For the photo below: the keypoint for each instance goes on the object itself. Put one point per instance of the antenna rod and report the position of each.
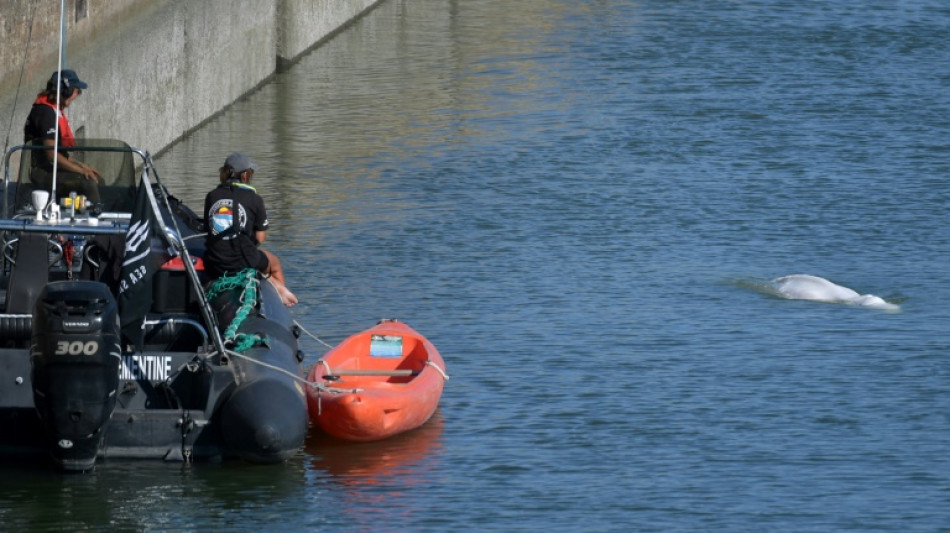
(59, 85)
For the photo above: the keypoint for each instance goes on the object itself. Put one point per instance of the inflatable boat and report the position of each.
(110, 346)
(377, 383)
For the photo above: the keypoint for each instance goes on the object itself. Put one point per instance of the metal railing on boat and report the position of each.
(115, 224)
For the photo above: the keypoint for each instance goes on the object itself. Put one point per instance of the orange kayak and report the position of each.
(380, 382)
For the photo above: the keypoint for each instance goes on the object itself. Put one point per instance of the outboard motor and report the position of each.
(75, 357)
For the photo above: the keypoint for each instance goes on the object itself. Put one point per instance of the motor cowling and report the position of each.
(75, 359)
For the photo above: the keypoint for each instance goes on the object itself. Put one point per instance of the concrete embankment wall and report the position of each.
(156, 69)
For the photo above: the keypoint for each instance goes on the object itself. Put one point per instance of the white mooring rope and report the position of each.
(311, 335)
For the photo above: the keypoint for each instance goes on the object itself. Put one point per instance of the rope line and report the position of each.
(445, 376)
(435, 366)
(247, 282)
(295, 377)
(311, 335)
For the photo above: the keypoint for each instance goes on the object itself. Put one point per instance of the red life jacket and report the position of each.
(66, 137)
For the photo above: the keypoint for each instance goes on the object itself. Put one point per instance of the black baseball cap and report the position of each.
(70, 80)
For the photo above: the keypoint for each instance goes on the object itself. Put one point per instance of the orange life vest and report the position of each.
(66, 137)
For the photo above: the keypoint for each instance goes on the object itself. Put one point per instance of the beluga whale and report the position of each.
(807, 287)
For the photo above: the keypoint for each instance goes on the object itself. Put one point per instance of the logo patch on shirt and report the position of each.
(222, 218)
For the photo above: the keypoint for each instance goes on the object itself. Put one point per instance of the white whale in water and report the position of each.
(805, 287)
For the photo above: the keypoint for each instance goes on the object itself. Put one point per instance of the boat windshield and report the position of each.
(112, 158)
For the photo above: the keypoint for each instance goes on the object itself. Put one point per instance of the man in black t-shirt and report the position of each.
(40, 129)
(236, 224)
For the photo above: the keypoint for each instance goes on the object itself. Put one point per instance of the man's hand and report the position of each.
(88, 172)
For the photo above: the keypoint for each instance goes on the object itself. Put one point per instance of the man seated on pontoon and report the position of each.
(236, 222)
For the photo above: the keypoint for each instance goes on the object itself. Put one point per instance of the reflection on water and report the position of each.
(405, 93)
(409, 456)
(144, 495)
(380, 482)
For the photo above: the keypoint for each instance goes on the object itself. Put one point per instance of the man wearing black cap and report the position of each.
(40, 129)
(236, 223)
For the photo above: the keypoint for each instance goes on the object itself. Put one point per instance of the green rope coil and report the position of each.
(245, 341)
(245, 280)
